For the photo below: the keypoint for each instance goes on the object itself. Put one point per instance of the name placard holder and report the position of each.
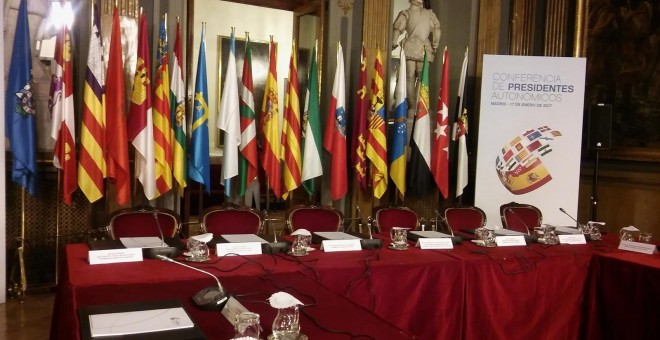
(232, 309)
(638, 247)
(238, 248)
(341, 245)
(510, 241)
(572, 239)
(434, 243)
(115, 255)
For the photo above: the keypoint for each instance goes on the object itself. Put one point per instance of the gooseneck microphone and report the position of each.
(164, 249)
(439, 218)
(211, 298)
(513, 213)
(572, 218)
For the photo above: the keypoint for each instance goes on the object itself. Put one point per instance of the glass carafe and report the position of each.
(286, 325)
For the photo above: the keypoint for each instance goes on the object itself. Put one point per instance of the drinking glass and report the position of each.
(199, 251)
(626, 235)
(286, 325)
(550, 235)
(247, 326)
(486, 235)
(399, 238)
(645, 237)
(300, 244)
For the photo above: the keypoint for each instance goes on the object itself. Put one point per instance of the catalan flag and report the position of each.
(178, 118)
(161, 115)
(247, 167)
(199, 165)
(420, 179)
(229, 120)
(270, 157)
(377, 134)
(291, 129)
(398, 150)
(440, 152)
(335, 131)
(359, 131)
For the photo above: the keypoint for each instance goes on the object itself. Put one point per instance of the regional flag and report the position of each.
(291, 129)
(359, 131)
(229, 120)
(270, 157)
(312, 167)
(398, 150)
(248, 159)
(460, 132)
(161, 115)
(20, 126)
(420, 179)
(115, 133)
(198, 167)
(335, 131)
(140, 119)
(63, 128)
(178, 116)
(376, 149)
(440, 152)
(91, 166)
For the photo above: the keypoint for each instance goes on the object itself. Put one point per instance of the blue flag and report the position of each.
(20, 108)
(199, 167)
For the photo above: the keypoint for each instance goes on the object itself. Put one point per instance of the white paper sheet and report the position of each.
(141, 242)
(429, 234)
(235, 238)
(336, 235)
(145, 321)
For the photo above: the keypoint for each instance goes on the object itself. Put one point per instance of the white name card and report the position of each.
(341, 245)
(638, 247)
(232, 309)
(434, 243)
(572, 239)
(238, 248)
(510, 241)
(115, 255)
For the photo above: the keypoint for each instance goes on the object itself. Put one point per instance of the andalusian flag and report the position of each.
(398, 150)
(91, 167)
(335, 131)
(460, 132)
(420, 179)
(199, 165)
(140, 119)
(270, 157)
(291, 129)
(178, 116)
(440, 153)
(359, 131)
(162, 122)
(228, 120)
(377, 135)
(247, 167)
(312, 167)
(63, 130)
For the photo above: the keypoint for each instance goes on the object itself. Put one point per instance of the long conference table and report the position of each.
(470, 292)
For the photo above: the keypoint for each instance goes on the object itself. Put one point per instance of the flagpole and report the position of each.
(57, 223)
(21, 248)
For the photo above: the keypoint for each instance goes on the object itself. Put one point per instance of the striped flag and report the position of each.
(312, 167)
(248, 159)
(359, 131)
(377, 134)
(161, 115)
(91, 166)
(420, 179)
(398, 150)
(270, 157)
(335, 131)
(229, 120)
(440, 153)
(178, 117)
(199, 163)
(63, 129)
(291, 129)
(115, 108)
(460, 132)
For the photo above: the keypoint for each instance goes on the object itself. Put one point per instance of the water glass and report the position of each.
(247, 326)
(550, 235)
(286, 325)
(645, 237)
(300, 245)
(627, 235)
(399, 238)
(199, 251)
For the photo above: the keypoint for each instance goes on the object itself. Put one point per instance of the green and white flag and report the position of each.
(311, 167)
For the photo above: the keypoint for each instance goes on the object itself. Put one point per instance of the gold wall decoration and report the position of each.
(345, 5)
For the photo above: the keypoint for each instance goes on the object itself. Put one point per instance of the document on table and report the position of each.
(335, 235)
(430, 234)
(141, 242)
(508, 232)
(145, 321)
(240, 238)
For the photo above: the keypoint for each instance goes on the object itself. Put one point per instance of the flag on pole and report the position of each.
(20, 126)
(270, 157)
(312, 167)
(140, 119)
(460, 132)
(161, 115)
(359, 131)
(248, 159)
(398, 151)
(91, 166)
(178, 117)
(420, 178)
(335, 131)
(291, 129)
(229, 120)
(440, 153)
(63, 129)
(199, 168)
(377, 135)
(115, 133)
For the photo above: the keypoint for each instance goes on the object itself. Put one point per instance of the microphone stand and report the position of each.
(438, 219)
(276, 246)
(594, 187)
(577, 224)
(517, 218)
(164, 249)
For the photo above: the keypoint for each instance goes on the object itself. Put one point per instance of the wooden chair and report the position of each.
(231, 219)
(314, 218)
(457, 218)
(141, 222)
(520, 217)
(389, 217)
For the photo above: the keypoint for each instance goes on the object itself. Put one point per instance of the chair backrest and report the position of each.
(458, 218)
(231, 219)
(314, 218)
(388, 217)
(520, 217)
(141, 222)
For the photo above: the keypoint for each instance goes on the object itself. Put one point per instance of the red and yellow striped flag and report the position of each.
(291, 129)
(161, 114)
(270, 122)
(377, 134)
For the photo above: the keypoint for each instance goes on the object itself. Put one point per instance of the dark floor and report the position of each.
(29, 320)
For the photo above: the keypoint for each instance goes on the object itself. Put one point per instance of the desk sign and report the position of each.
(434, 243)
(638, 247)
(572, 239)
(232, 309)
(510, 241)
(341, 245)
(115, 255)
(239, 248)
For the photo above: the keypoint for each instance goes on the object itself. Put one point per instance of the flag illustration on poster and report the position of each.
(359, 131)
(398, 149)
(440, 152)
(420, 178)
(270, 157)
(248, 159)
(229, 120)
(460, 132)
(178, 117)
(162, 115)
(291, 166)
(335, 131)
(199, 167)
(311, 167)
(377, 134)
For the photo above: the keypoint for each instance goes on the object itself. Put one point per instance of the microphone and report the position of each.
(275, 246)
(211, 298)
(164, 249)
(572, 218)
(439, 218)
(513, 213)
